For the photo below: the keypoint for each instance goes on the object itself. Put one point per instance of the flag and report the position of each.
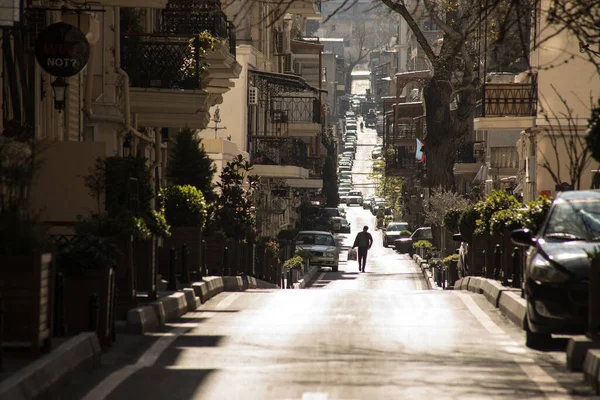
(420, 156)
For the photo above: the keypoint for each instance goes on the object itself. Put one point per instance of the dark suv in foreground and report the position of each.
(557, 268)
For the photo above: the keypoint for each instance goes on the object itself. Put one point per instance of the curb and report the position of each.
(577, 350)
(41, 376)
(148, 318)
(308, 278)
(591, 369)
(514, 307)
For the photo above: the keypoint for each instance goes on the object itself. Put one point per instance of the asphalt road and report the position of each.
(373, 335)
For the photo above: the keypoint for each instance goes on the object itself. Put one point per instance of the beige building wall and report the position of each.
(59, 193)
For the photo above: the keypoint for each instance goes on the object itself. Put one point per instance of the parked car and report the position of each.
(324, 250)
(354, 197)
(405, 245)
(366, 202)
(341, 225)
(556, 272)
(392, 232)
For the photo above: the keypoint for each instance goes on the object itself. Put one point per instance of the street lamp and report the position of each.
(127, 146)
(59, 88)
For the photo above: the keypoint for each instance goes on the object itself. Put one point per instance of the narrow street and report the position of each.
(375, 335)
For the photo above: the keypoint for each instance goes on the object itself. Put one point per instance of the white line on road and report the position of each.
(547, 384)
(151, 355)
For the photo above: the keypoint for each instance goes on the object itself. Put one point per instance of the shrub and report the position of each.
(450, 258)
(423, 244)
(287, 234)
(467, 223)
(498, 200)
(506, 219)
(294, 262)
(451, 219)
(183, 205)
(535, 214)
(405, 233)
(85, 253)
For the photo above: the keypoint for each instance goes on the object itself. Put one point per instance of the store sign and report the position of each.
(62, 50)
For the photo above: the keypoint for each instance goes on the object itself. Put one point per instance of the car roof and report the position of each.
(578, 194)
(398, 223)
(315, 232)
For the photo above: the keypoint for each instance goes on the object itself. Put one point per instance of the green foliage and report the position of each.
(294, 262)
(535, 214)
(189, 164)
(304, 253)
(87, 252)
(467, 223)
(107, 225)
(451, 219)
(405, 233)
(184, 205)
(453, 257)
(157, 223)
(234, 211)
(440, 202)
(496, 201)
(387, 219)
(594, 254)
(593, 136)
(20, 236)
(423, 244)
(506, 219)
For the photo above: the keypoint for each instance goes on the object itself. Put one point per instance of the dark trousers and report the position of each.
(362, 257)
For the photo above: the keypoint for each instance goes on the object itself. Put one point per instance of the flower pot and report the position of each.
(27, 288)
(89, 303)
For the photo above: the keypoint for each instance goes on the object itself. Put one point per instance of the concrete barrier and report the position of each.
(514, 307)
(234, 283)
(591, 369)
(308, 278)
(142, 319)
(474, 284)
(577, 349)
(491, 290)
(40, 377)
(191, 299)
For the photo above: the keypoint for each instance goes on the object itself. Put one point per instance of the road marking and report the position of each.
(150, 356)
(315, 396)
(547, 384)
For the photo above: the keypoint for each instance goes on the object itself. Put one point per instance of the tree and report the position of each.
(570, 146)
(593, 138)
(189, 164)
(330, 179)
(234, 211)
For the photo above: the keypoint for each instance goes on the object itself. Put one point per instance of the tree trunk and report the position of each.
(445, 129)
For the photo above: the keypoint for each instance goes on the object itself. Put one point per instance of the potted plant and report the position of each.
(451, 263)
(306, 255)
(295, 265)
(88, 265)
(26, 263)
(424, 248)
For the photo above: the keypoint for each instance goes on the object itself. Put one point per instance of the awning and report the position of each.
(305, 183)
(293, 81)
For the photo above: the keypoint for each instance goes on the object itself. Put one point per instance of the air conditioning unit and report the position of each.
(287, 63)
(252, 96)
(530, 165)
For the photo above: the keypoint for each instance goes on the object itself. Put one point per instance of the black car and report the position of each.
(557, 267)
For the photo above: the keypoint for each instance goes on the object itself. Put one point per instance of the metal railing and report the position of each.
(465, 153)
(504, 157)
(185, 17)
(506, 99)
(296, 109)
(162, 60)
(280, 152)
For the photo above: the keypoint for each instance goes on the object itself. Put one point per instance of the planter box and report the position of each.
(79, 291)
(27, 289)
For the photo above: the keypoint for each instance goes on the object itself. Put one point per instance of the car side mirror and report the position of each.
(522, 237)
(457, 237)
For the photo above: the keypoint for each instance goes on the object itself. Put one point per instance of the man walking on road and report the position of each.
(363, 241)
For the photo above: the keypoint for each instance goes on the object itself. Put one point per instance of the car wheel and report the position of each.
(385, 244)
(335, 268)
(535, 340)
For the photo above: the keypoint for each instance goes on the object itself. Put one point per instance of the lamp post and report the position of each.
(59, 88)
(127, 146)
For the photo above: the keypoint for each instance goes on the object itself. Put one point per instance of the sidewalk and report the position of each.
(30, 378)
(582, 354)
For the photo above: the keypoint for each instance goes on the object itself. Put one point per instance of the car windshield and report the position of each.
(397, 227)
(574, 219)
(315, 238)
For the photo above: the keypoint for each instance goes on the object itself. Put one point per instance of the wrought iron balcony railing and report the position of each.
(279, 151)
(465, 153)
(162, 60)
(294, 109)
(504, 157)
(184, 17)
(403, 158)
(506, 99)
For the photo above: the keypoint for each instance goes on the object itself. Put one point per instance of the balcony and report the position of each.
(505, 160)
(505, 106)
(467, 160)
(173, 81)
(308, 8)
(402, 162)
(279, 151)
(301, 114)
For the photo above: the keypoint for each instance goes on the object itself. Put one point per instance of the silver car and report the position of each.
(321, 244)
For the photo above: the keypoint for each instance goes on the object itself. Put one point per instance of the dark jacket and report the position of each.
(363, 239)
